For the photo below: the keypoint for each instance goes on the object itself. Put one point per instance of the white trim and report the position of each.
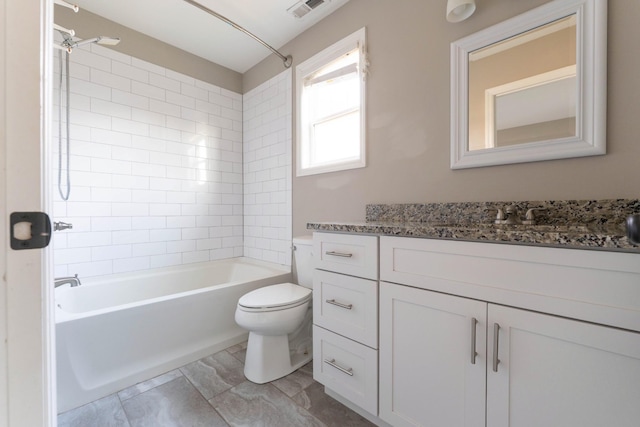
(335, 167)
(344, 71)
(47, 272)
(306, 70)
(4, 374)
(30, 381)
(591, 58)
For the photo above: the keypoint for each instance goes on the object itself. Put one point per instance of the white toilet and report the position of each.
(279, 321)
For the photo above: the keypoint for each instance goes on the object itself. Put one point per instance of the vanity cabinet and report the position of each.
(345, 317)
(479, 350)
(444, 359)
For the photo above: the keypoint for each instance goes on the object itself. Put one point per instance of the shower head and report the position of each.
(108, 41)
(69, 45)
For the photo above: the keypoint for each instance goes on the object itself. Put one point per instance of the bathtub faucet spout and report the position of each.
(73, 281)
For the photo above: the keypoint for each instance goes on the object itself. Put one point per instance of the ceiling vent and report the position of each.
(303, 7)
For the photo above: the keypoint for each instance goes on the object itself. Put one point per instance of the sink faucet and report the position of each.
(510, 216)
(530, 217)
(73, 281)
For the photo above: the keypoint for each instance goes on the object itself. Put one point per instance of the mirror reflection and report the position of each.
(523, 89)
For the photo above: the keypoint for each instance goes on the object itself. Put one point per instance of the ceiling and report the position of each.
(184, 26)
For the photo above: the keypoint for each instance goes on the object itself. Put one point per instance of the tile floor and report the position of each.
(214, 392)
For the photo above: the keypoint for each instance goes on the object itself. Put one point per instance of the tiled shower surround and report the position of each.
(156, 169)
(267, 170)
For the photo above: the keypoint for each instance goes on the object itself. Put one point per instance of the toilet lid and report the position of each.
(275, 296)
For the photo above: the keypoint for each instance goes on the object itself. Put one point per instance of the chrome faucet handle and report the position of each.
(59, 225)
(499, 216)
(511, 216)
(530, 216)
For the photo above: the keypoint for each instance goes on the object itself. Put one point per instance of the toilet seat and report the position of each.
(275, 297)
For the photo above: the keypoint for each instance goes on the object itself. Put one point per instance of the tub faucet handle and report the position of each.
(59, 225)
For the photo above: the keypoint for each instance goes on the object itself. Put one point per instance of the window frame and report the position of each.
(308, 68)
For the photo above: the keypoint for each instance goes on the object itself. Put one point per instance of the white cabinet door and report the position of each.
(427, 377)
(558, 372)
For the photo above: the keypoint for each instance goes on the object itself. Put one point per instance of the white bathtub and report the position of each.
(115, 332)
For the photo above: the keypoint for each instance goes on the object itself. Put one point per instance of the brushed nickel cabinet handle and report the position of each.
(340, 254)
(332, 363)
(334, 302)
(474, 353)
(496, 335)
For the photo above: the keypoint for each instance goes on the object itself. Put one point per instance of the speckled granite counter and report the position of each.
(582, 224)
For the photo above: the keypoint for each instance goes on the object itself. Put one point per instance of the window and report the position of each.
(331, 108)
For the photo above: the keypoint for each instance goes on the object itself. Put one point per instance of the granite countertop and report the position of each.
(598, 225)
(583, 237)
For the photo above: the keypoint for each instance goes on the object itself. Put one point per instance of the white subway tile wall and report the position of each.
(157, 168)
(267, 170)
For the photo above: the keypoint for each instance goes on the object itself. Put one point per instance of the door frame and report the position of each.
(27, 352)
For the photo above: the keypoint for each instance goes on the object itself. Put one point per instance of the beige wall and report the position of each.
(89, 25)
(408, 115)
(408, 108)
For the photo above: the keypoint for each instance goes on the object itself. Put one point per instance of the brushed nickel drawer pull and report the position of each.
(340, 254)
(332, 362)
(474, 353)
(334, 302)
(496, 335)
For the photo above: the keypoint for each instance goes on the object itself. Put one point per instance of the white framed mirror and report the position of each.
(531, 88)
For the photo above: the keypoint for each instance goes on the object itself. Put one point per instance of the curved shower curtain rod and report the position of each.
(287, 60)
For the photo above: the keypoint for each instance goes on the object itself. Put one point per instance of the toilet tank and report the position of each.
(303, 260)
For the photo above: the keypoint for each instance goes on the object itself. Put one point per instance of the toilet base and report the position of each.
(268, 358)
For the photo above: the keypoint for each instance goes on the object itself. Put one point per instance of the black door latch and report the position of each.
(30, 230)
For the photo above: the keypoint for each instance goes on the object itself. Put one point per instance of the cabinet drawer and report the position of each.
(348, 254)
(594, 286)
(346, 367)
(346, 305)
